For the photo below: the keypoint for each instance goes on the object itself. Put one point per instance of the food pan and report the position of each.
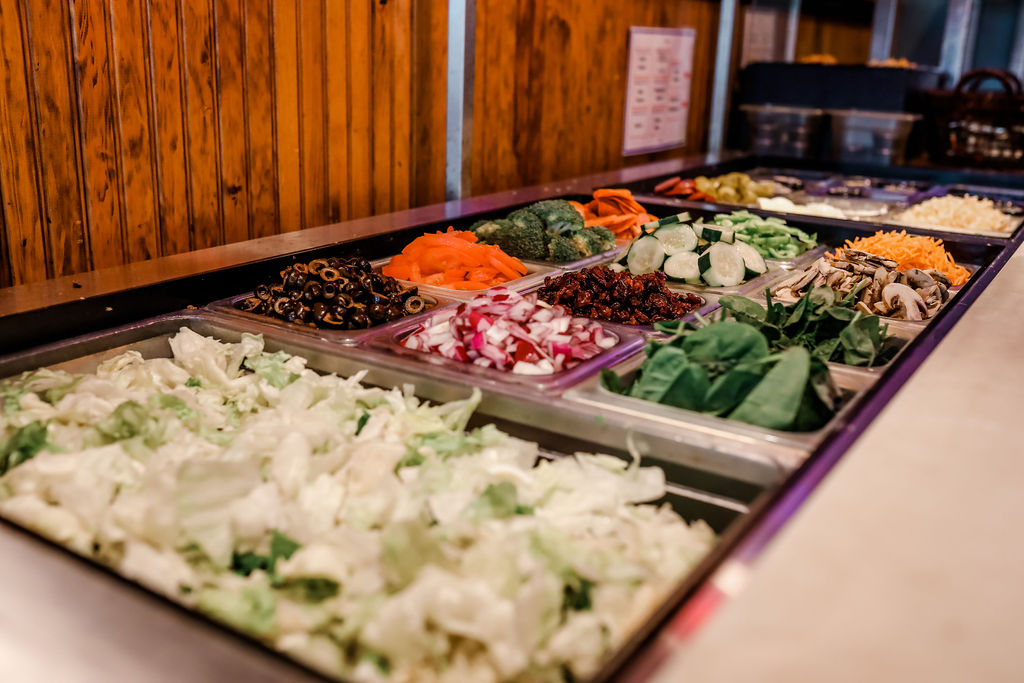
(535, 274)
(150, 337)
(894, 323)
(388, 339)
(1012, 207)
(788, 449)
(227, 307)
(596, 259)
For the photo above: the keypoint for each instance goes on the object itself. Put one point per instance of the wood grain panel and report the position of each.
(99, 126)
(135, 124)
(549, 98)
(167, 97)
(19, 183)
(849, 42)
(286, 100)
(260, 138)
(229, 32)
(336, 48)
(430, 57)
(201, 123)
(383, 99)
(55, 104)
(313, 112)
(360, 102)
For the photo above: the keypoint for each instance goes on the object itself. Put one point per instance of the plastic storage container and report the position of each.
(784, 131)
(870, 137)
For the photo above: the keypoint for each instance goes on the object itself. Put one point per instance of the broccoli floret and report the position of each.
(526, 219)
(604, 237)
(514, 240)
(558, 215)
(584, 242)
(485, 228)
(561, 249)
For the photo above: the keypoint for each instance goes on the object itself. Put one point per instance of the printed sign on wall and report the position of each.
(658, 88)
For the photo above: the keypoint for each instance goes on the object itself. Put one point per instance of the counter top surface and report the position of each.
(904, 563)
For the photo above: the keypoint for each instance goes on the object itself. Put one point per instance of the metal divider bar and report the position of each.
(720, 84)
(459, 118)
(883, 28)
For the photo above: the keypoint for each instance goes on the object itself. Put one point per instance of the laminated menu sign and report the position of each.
(658, 88)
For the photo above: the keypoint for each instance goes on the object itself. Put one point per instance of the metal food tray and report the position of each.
(150, 338)
(894, 323)
(1008, 203)
(791, 448)
(388, 338)
(535, 274)
(594, 260)
(227, 307)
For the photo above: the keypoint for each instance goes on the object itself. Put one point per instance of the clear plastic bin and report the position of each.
(871, 137)
(784, 131)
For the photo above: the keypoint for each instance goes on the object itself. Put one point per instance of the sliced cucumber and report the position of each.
(672, 220)
(713, 233)
(645, 256)
(647, 228)
(683, 267)
(616, 267)
(675, 239)
(721, 265)
(752, 260)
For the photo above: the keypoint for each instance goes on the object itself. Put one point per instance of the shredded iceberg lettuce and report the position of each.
(356, 529)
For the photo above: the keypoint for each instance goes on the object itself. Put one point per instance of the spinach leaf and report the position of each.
(658, 373)
(612, 382)
(689, 388)
(729, 389)
(775, 401)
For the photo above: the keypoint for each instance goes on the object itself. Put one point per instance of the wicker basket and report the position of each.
(972, 128)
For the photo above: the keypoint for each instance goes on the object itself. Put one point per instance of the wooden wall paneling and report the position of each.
(229, 29)
(429, 95)
(286, 108)
(360, 101)
(166, 97)
(201, 123)
(382, 103)
(313, 110)
(562, 74)
(99, 127)
(26, 241)
(848, 42)
(400, 57)
(5, 258)
(336, 66)
(128, 26)
(55, 103)
(260, 132)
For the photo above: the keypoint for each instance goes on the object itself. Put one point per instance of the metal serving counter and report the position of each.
(62, 619)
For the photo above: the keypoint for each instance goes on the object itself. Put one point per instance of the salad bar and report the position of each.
(503, 444)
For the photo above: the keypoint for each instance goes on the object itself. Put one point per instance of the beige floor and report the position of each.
(907, 564)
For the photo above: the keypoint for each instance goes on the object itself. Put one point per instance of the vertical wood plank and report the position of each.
(59, 152)
(260, 140)
(312, 101)
(162, 35)
(99, 127)
(383, 114)
(128, 23)
(18, 173)
(429, 68)
(401, 104)
(230, 47)
(286, 105)
(5, 258)
(337, 65)
(361, 95)
(200, 107)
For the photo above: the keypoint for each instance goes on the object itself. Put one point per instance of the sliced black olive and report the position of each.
(330, 290)
(312, 291)
(249, 303)
(262, 292)
(352, 289)
(281, 305)
(276, 291)
(295, 294)
(318, 310)
(345, 301)
(376, 297)
(414, 305)
(316, 265)
(300, 268)
(377, 312)
(359, 321)
(329, 274)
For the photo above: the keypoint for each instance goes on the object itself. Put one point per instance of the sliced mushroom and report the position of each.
(911, 304)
